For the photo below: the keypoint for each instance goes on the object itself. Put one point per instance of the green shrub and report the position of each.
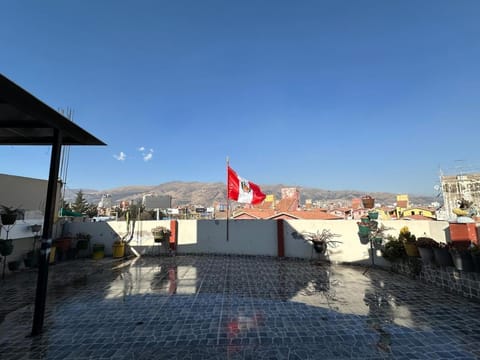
(393, 249)
(406, 236)
(426, 242)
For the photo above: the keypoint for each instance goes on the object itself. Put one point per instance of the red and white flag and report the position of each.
(242, 190)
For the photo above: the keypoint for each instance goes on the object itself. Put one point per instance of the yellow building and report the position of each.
(430, 213)
(402, 204)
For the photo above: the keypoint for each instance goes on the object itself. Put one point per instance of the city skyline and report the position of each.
(368, 96)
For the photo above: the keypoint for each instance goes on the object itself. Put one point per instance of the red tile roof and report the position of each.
(254, 214)
(265, 205)
(271, 214)
(417, 217)
(310, 215)
(287, 204)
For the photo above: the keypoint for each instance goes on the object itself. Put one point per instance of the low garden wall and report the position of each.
(463, 283)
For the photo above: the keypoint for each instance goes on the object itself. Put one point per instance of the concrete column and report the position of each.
(173, 235)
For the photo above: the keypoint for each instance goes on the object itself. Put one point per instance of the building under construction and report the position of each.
(459, 190)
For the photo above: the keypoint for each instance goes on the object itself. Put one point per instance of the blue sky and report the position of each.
(364, 95)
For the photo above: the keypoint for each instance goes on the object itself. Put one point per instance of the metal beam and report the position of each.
(42, 280)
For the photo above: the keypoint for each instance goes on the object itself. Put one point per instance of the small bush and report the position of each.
(393, 250)
(426, 242)
(406, 236)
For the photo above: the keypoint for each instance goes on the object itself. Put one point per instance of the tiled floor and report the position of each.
(221, 307)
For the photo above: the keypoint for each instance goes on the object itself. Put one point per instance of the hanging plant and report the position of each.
(160, 233)
(6, 247)
(8, 215)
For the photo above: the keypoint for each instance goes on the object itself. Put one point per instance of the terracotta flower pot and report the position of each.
(368, 202)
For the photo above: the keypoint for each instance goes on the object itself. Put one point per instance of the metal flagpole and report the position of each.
(228, 201)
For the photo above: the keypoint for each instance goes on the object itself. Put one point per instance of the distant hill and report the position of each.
(207, 194)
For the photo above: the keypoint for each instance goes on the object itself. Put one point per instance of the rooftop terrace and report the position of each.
(235, 307)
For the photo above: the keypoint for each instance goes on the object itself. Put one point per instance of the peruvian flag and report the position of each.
(242, 190)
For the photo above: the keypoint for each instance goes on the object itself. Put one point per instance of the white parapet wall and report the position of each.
(244, 237)
(23, 239)
(253, 237)
(349, 248)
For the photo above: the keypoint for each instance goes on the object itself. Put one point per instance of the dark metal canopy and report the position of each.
(25, 120)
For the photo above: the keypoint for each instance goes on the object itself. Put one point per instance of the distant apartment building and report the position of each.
(154, 201)
(456, 188)
(288, 207)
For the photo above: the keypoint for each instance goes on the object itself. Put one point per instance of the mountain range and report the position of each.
(206, 194)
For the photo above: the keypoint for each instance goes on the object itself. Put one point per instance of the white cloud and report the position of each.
(147, 157)
(120, 157)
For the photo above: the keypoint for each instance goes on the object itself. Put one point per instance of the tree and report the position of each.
(92, 211)
(80, 205)
(65, 205)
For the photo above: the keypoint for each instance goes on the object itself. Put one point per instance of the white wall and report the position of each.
(254, 237)
(351, 250)
(245, 237)
(26, 194)
(29, 195)
(22, 237)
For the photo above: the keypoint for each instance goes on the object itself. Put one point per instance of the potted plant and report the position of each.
(63, 245)
(365, 220)
(83, 243)
(462, 260)
(14, 265)
(31, 257)
(160, 234)
(368, 202)
(393, 250)
(377, 242)
(98, 251)
(8, 214)
(6, 248)
(442, 255)
(364, 230)
(475, 253)
(425, 246)
(320, 240)
(118, 248)
(409, 242)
